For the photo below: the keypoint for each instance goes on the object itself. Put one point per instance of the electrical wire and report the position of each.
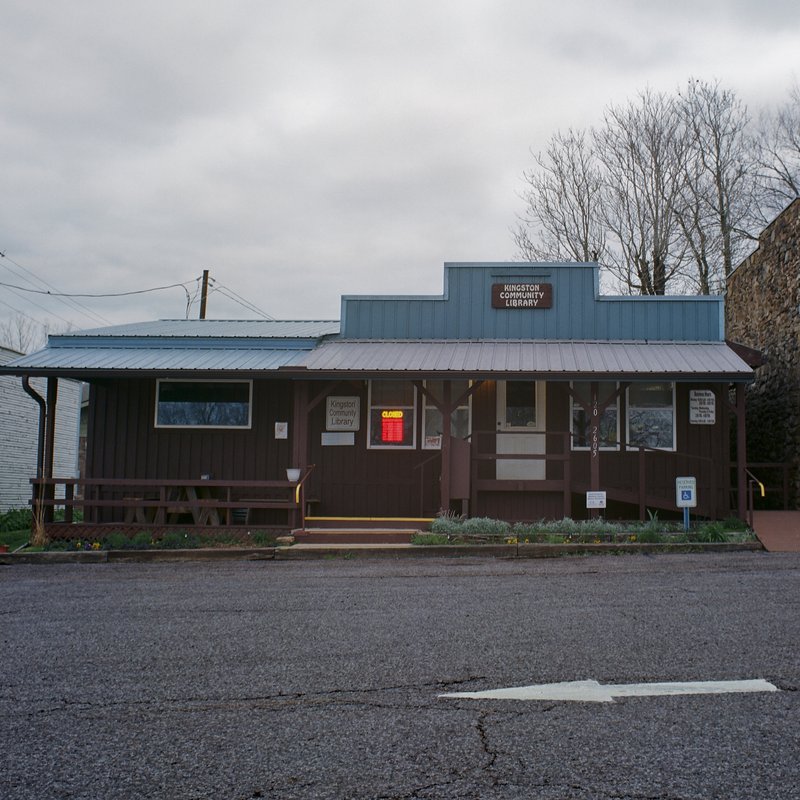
(226, 291)
(73, 304)
(86, 294)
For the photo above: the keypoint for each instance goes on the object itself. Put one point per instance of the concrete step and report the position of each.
(354, 535)
(778, 531)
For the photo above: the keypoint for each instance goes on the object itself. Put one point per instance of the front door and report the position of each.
(520, 429)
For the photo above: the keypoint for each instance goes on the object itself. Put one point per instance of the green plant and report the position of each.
(116, 541)
(485, 526)
(178, 540)
(430, 539)
(263, 538)
(16, 519)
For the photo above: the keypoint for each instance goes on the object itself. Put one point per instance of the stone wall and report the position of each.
(762, 311)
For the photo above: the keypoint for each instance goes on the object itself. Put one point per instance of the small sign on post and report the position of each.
(686, 497)
(595, 499)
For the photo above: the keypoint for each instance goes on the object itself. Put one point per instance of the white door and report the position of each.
(520, 419)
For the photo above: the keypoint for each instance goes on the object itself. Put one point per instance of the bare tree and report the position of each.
(563, 199)
(23, 334)
(779, 155)
(643, 150)
(715, 208)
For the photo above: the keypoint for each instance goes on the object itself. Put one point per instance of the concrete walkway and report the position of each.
(778, 531)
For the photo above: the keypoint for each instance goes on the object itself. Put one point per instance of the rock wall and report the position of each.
(762, 311)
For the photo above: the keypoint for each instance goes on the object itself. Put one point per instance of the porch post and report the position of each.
(299, 451)
(49, 492)
(594, 444)
(446, 414)
(741, 453)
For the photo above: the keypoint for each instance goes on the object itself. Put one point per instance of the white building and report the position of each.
(19, 426)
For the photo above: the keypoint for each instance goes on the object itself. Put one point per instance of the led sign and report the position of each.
(392, 426)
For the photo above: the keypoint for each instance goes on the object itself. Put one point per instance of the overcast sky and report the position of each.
(305, 149)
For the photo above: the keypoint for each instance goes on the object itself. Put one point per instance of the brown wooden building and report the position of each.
(551, 391)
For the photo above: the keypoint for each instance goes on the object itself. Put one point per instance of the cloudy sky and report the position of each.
(304, 149)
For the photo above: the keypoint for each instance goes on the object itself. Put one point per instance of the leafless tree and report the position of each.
(22, 334)
(562, 203)
(667, 193)
(718, 198)
(643, 151)
(779, 154)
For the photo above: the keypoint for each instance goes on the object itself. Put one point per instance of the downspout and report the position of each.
(37, 488)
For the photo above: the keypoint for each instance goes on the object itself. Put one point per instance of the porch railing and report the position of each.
(176, 501)
(642, 476)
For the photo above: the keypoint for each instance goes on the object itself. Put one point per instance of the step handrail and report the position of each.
(751, 481)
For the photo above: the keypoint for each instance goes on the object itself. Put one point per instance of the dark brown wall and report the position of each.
(123, 442)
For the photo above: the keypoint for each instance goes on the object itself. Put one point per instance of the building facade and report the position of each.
(512, 394)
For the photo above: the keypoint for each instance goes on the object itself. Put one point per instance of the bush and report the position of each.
(485, 526)
(16, 519)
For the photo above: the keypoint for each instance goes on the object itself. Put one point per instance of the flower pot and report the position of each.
(293, 474)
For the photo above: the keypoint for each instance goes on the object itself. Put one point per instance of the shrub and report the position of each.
(16, 519)
(485, 526)
(178, 540)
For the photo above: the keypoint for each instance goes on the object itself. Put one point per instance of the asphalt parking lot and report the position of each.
(322, 679)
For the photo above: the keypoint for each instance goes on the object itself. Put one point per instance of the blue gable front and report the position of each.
(568, 306)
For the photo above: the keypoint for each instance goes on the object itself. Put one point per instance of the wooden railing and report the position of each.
(628, 481)
(160, 501)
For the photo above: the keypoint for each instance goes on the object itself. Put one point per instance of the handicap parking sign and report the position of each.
(686, 492)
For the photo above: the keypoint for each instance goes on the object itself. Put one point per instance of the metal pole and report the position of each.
(204, 295)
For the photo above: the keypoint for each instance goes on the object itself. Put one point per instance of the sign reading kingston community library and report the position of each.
(522, 295)
(343, 413)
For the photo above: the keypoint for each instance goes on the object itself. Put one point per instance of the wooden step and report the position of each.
(778, 531)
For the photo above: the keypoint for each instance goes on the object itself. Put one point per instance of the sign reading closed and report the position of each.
(522, 295)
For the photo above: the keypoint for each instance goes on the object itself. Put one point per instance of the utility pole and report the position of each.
(204, 295)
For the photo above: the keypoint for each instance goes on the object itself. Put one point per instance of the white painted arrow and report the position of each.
(594, 692)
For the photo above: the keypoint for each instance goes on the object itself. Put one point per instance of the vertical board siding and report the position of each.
(464, 310)
(124, 442)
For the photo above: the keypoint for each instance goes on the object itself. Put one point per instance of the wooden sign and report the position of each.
(522, 295)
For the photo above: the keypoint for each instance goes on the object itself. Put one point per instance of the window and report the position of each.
(203, 404)
(520, 405)
(460, 422)
(608, 421)
(392, 413)
(651, 415)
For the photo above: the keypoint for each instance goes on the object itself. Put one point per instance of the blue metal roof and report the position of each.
(199, 346)
(214, 328)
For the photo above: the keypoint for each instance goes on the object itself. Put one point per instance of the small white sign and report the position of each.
(595, 499)
(702, 407)
(338, 439)
(686, 492)
(281, 430)
(343, 413)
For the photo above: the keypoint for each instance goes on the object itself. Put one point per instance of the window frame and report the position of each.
(394, 406)
(540, 397)
(165, 426)
(673, 408)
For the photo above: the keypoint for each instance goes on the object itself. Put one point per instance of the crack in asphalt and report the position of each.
(279, 700)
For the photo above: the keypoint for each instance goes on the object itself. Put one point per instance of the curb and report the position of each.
(352, 552)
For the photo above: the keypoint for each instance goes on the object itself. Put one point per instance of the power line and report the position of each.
(226, 291)
(86, 294)
(72, 303)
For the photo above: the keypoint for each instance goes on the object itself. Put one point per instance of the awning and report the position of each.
(553, 359)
